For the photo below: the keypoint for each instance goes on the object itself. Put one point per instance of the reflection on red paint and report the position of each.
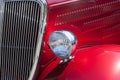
(117, 67)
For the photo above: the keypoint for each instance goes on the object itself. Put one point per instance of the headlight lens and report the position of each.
(62, 43)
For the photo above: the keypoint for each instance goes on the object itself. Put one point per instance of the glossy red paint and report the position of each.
(49, 69)
(95, 63)
(93, 22)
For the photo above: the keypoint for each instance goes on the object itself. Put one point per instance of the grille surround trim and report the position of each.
(41, 31)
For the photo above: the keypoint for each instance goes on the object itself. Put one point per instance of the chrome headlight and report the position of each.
(62, 43)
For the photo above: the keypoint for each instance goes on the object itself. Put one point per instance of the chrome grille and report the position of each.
(19, 39)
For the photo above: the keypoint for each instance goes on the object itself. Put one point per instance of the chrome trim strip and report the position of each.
(1, 28)
(43, 19)
(40, 35)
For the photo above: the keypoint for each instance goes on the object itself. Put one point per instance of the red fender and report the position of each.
(96, 63)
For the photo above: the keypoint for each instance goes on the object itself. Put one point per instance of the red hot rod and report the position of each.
(60, 39)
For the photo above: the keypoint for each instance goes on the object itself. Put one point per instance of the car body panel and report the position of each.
(97, 24)
(95, 63)
(93, 22)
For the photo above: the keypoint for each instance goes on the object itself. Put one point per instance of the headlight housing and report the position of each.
(62, 43)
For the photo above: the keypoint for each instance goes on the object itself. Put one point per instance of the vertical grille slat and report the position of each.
(19, 39)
